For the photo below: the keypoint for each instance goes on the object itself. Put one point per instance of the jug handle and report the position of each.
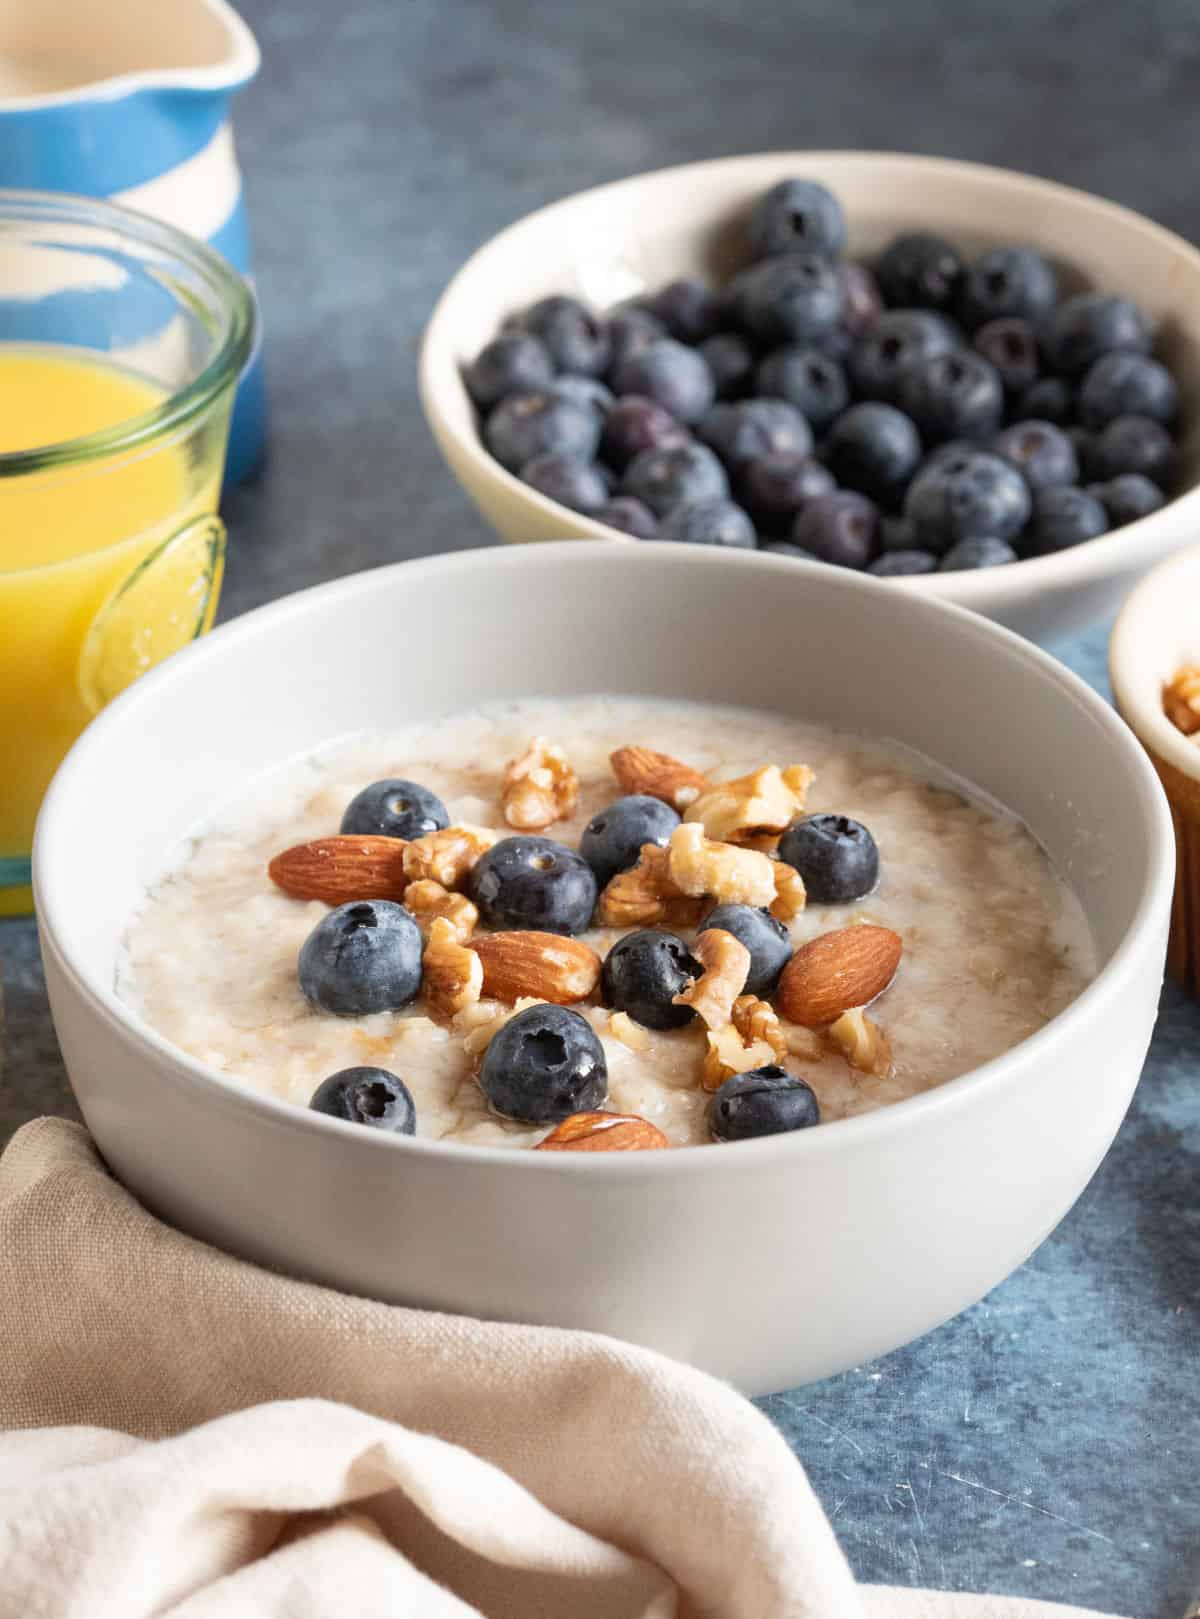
(169, 599)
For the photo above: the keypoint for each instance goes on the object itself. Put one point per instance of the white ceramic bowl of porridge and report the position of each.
(618, 241)
(768, 1261)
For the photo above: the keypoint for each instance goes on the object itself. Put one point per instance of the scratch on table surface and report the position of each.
(1016, 1500)
(837, 1432)
(916, 1504)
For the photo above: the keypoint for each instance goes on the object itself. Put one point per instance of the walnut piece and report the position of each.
(447, 857)
(752, 807)
(699, 866)
(758, 1020)
(790, 895)
(726, 963)
(622, 1027)
(428, 901)
(862, 1042)
(728, 1054)
(646, 894)
(487, 1018)
(453, 973)
(539, 788)
(1181, 700)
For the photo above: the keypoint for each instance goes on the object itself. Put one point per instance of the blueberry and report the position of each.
(1127, 498)
(1041, 451)
(1127, 385)
(897, 534)
(568, 480)
(862, 302)
(796, 298)
(586, 391)
(1062, 517)
(1008, 281)
(533, 882)
(797, 216)
(363, 957)
(527, 424)
(873, 448)
(1084, 445)
(1010, 344)
(903, 564)
(763, 1102)
(543, 1065)
(898, 339)
(635, 424)
(919, 271)
(674, 376)
(749, 428)
(613, 838)
(768, 941)
(807, 379)
(709, 522)
(395, 808)
(630, 328)
(577, 341)
(835, 855)
(964, 494)
(643, 972)
(731, 360)
(369, 1096)
(953, 396)
(1133, 444)
(775, 487)
(785, 548)
(687, 308)
(514, 362)
(672, 475)
(1050, 399)
(977, 553)
(628, 515)
(841, 527)
(1091, 324)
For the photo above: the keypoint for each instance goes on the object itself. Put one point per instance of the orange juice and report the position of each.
(72, 536)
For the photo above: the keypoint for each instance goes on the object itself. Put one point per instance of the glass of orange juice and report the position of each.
(121, 341)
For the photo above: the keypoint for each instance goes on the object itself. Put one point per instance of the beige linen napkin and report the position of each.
(192, 1437)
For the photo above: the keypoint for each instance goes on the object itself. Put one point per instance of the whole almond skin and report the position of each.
(837, 971)
(641, 770)
(603, 1132)
(342, 868)
(544, 965)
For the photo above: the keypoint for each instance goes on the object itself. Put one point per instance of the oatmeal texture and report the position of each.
(994, 944)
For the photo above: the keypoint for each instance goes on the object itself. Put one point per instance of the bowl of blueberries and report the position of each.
(979, 385)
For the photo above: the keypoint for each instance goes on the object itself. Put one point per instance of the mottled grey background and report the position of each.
(1045, 1443)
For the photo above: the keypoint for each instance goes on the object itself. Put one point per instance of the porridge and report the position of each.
(519, 931)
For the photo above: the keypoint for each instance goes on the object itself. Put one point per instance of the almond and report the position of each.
(837, 971)
(544, 965)
(342, 868)
(603, 1132)
(641, 770)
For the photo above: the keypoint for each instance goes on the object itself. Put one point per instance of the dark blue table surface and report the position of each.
(1046, 1442)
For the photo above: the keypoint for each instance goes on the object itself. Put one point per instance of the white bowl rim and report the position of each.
(53, 904)
(1136, 624)
(991, 589)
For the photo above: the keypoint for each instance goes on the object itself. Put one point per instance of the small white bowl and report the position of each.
(768, 1262)
(1156, 634)
(623, 239)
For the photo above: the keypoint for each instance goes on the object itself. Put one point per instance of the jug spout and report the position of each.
(60, 51)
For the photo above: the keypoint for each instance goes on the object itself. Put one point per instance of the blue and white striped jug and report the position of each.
(129, 99)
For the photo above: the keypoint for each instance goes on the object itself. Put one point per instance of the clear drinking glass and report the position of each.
(111, 552)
